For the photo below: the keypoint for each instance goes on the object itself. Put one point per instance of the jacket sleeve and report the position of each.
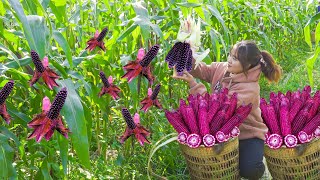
(203, 71)
(197, 88)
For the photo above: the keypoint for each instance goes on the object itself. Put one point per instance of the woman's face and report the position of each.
(234, 65)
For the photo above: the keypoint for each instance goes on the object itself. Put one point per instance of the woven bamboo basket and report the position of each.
(285, 163)
(205, 163)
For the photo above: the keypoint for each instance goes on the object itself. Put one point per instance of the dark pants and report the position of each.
(251, 156)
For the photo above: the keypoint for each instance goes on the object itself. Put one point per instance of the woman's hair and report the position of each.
(249, 55)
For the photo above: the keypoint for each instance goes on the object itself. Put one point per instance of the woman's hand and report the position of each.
(185, 77)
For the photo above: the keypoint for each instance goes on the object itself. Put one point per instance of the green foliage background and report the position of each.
(59, 29)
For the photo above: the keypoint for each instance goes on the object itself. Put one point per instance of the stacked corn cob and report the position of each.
(292, 118)
(208, 119)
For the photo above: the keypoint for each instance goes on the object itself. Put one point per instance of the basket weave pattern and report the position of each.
(205, 163)
(284, 163)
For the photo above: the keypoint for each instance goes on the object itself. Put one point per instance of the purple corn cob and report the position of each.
(213, 107)
(272, 121)
(182, 138)
(176, 56)
(223, 95)
(297, 104)
(189, 61)
(207, 98)
(150, 55)
(208, 140)
(290, 141)
(102, 34)
(176, 121)
(305, 95)
(57, 104)
(128, 118)
(202, 118)
(155, 92)
(37, 62)
(173, 51)
(312, 125)
(218, 120)
(104, 79)
(274, 141)
(317, 132)
(193, 140)
(183, 60)
(304, 137)
(300, 120)
(235, 132)
(190, 119)
(264, 109)
(284, 117)
(241, 113)
(288, 96)
(316, 105)
(221, 137)
(194, 104)
(5, 91)
(274, 101)
(232, 107)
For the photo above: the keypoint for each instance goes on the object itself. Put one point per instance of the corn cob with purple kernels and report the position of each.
(297, 104)
(181, 64)
(151, 54)
(177, 122)
(5, 91)
(214, 107)
(232, 107)
(309, 128)
(37, 62)
(190, 119)
(300, 120)
(284, 117)
(202, 118)
(218, 120)
(239, 116)
(57, 104)
(189, 61)
(102, 34)
(193, 140)
(104, 79)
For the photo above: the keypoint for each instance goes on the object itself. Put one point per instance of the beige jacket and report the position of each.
(248, 90)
